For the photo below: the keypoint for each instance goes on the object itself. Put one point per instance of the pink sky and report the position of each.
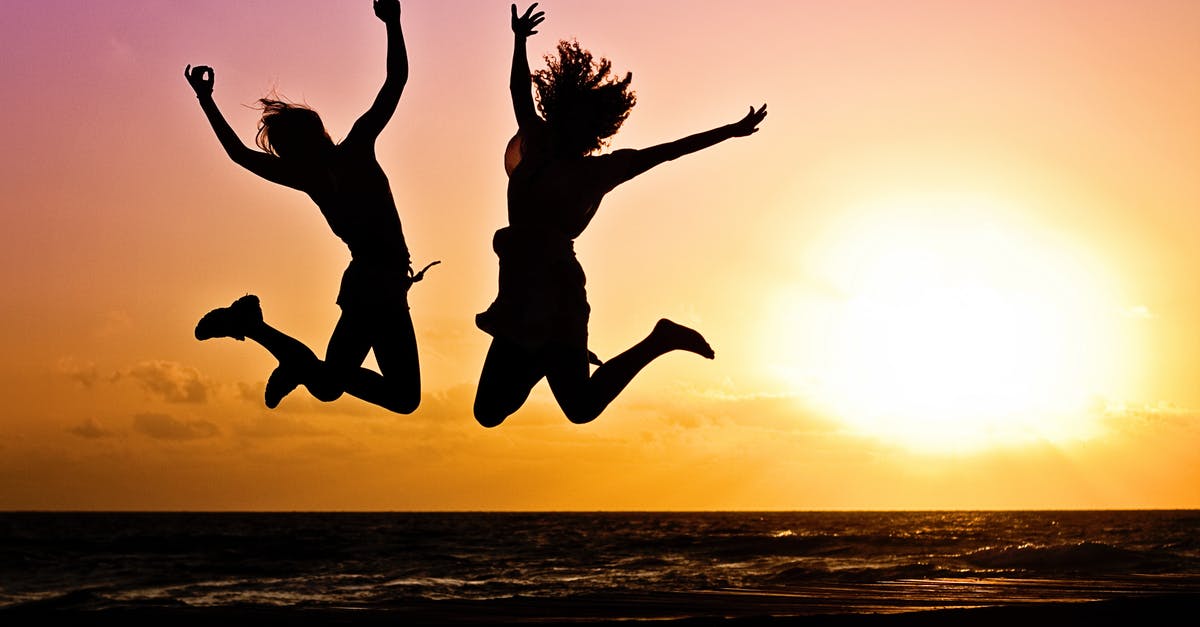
(123, 222)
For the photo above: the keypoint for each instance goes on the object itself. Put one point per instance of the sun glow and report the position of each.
(954, 330)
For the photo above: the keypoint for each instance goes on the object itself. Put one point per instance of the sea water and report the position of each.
(798, 562)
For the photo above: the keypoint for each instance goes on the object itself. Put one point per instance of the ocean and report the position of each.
(578, 566)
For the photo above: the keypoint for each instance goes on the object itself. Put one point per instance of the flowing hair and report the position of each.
(582, 102)
(285, 124)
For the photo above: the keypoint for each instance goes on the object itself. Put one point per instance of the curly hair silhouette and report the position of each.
(539, 319)
(582, 103)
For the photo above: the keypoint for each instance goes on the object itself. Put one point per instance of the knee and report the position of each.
(404, 404)
(324, 392)
(580, 413)
(489, 416)
(323, 382)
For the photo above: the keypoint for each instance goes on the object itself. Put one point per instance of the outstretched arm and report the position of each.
(268, 166)
(370, 124)
(518, 82)
(641, 160)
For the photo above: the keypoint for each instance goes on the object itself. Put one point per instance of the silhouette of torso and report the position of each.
(542, 294)
(563, 194)
(353, 193)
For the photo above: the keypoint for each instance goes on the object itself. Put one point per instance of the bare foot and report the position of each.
(677, 336)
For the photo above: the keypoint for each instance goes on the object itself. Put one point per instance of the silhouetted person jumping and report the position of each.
(352, 191)
(539, 320)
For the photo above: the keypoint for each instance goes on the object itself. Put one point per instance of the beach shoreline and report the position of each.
(1157, 609)
(1026, 568)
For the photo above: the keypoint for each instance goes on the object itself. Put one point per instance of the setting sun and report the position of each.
(957, 330)
(954, 269)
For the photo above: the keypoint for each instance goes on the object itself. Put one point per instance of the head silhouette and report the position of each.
(582, 103)
(291, 131)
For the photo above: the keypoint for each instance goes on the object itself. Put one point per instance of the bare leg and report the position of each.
(243, 319)
(398, 386)
(509, 374)
(395, 347)
(583, 398)
(282, 346)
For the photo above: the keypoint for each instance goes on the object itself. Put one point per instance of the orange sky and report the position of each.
(955, 268)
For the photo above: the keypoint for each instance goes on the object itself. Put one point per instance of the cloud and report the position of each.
(276, 426)
(81, 372)
(165, 427)
(251, 392)
(1152, 415)
(171, 381)
(90, 429)
(693, 408)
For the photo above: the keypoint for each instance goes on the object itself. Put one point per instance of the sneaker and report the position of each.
(232, 321)
(281, 383)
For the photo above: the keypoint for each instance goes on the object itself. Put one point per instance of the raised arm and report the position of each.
(269, 167)
(518, 82)
(638, 161)
(370, 124)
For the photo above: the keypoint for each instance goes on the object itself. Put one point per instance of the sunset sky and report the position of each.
(956, 268)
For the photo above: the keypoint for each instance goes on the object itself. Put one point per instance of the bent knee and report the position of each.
(581, 414)
(489, 416)
(404, 404)
(490, 420)
(324, 392)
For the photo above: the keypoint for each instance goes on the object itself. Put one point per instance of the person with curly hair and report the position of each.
(539, 319)
(350, 188)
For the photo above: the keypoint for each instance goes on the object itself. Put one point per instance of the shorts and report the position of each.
(542, 297)
(375, 287)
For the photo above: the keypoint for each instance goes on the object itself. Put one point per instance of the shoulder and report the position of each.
(616, 157)
(350, 155)
(513, 153)
(362, 136)
(528, 145)
(353, 145)
(616, 164)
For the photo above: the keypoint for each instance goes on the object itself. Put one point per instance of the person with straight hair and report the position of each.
(350, 188)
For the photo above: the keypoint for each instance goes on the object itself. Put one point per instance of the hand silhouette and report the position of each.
(523, 26)
(200, 78)
(387, 10)
(749, 124)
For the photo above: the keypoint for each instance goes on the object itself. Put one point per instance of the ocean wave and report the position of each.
(357, 560)
(809, 574)
(1090, 557)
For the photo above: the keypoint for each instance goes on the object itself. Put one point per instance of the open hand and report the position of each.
(749, 124)
(523, 26)
(387, 10)
(200, 78)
